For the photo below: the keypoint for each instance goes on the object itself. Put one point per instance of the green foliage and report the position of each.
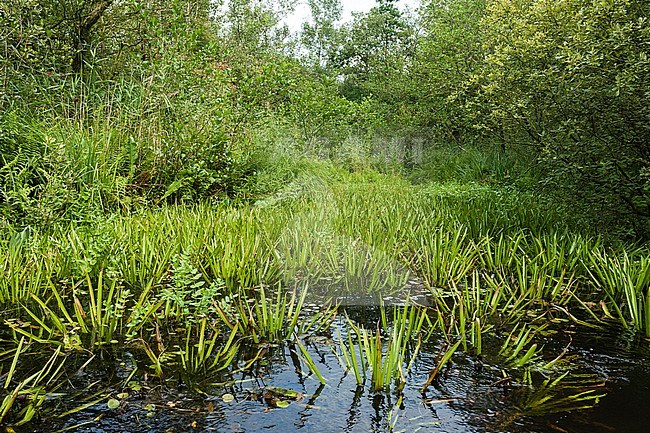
(165, 163)
(570, 79)
(47, 40)
(448, 53)
(374, 50)
(252, 27)
(320, 36)
(168, 119)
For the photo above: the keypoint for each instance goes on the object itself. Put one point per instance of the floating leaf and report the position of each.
(227, 398)
(283, 392)
(113, 403)
(122, 395)
(281, 403)
(135, 386)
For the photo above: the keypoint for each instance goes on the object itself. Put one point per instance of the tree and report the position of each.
(253, 26)
(449, 52)
(374, 50)
(320, 36)
(571, 80)
(88, 17)
(64, 36)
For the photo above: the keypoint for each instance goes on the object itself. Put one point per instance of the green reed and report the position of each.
(388, 351)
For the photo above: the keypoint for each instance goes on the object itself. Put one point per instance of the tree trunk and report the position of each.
(84, 32)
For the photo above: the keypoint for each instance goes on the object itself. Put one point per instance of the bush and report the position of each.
(570, 79)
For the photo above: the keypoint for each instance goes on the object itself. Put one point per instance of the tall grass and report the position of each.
(94, 147)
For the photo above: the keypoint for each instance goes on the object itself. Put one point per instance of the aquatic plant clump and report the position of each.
(204, 296)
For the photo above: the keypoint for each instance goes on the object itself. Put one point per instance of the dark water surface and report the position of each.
(468, 397)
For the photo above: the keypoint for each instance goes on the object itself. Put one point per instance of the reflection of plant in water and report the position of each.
(560, 394)
(557, 394)
(33, 389)
(560, 389)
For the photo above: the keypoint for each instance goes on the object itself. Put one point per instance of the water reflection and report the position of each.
(471, 394)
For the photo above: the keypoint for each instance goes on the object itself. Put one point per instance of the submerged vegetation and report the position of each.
(188, 194)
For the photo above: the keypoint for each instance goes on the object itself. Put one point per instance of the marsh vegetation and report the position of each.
(208, 224)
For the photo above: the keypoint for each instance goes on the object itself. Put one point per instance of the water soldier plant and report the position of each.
(389, 356)
(188, 288)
